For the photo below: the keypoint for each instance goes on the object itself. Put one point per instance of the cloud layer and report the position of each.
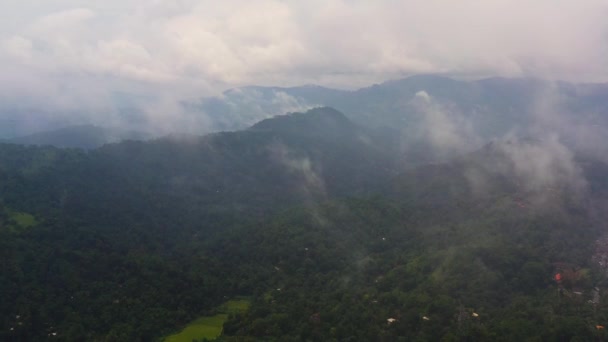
(200, 44)
(78, 56)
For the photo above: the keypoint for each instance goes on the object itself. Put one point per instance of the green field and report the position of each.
(210, 327)
(204, 327)
(15, 221)
(24, 220)
(235, 306)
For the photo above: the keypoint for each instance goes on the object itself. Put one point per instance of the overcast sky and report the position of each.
(66, 51)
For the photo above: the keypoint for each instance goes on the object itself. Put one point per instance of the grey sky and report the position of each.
(64, 51)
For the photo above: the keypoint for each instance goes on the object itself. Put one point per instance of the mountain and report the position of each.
(25, 120)
(417, 110)
(388, 103)
(272, 162)
(239, 108)
(84, 136)
(127, 204)
(471, 112)
(321, 122)
(316, 221)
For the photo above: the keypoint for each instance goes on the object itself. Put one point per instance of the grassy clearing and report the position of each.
(205, 327)
(24, 220)
(15, 221)
(235, 306)
(210, 327)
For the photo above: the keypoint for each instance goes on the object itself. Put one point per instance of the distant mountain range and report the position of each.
(434, 114)
(83, 136)
(497, 103)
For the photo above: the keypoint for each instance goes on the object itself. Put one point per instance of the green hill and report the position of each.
(316, 220)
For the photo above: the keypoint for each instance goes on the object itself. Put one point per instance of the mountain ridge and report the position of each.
(80, 136)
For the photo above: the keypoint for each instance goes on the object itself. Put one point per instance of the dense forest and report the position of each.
(328, 230)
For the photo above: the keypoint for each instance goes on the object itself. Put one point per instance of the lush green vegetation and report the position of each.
(210, 327)
(14, 221)
(321, 232)
(204, 328)
(235, 306)
(23, 220)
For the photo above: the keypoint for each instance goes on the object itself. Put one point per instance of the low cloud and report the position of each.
(242, 107)
(310, 181)
(83, 52)
(446, 131)
(542, 158)
(584, 130)
(542, 164)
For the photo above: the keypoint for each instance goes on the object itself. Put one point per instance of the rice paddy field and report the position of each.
(210, 327)
(24, 220)
(17, 221)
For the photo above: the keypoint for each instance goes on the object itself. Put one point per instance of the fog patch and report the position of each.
(542, 159)
(307, 176)
(540, 171)
(478, 181)
(546, 163)
(423, 95)
(584, 130)
(445, 130)
(300, 166)
(242, 107)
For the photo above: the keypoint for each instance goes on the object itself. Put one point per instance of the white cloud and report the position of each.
(239, 41)
(545, 163)
(18, 47)
(188, 47)
(447, 131)
(62, 20)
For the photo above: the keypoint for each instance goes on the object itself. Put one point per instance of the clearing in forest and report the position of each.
(16, 221)
(24, 220)
(235, 306)
(210, 327)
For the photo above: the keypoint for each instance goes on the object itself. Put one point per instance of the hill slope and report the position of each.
(309, 216)
(85, 136)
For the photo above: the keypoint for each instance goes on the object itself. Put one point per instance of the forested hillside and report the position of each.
(492, 106)
(318, 222)
(435, 260)
(83, 136)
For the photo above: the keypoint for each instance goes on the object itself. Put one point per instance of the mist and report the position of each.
(67, 59)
